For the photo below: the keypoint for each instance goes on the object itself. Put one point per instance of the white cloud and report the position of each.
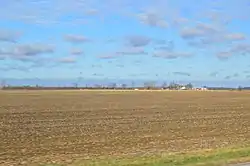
(67, 60)
(76, 51)
(235, 36)
(153, 19)
(200, 30)
(9, 36)
(138, 40)
(162, 14)
(27, 52)
(76, 38)
(171, 55)
(181, 73)
(108, 56)
(131, 51)
(237, 49)
(151, 12)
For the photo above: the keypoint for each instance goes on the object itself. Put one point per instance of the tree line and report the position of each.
(146, 85)
(150, 85)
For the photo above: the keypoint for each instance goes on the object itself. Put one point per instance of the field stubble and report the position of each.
(60, 126)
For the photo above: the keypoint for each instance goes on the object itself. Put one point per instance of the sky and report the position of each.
(162, 40)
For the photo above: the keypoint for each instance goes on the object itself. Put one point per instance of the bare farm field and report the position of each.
(85, 127)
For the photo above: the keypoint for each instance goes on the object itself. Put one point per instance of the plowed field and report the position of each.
(60, 126)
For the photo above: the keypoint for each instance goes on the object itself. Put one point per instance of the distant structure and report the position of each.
(183, 88)
(202, 89)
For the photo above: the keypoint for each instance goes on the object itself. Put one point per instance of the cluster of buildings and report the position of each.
(201, 89)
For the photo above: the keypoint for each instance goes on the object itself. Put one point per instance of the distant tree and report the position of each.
(113, 85)
(3, 84)
(164, 85)
(97, 86)
(189, 86)
(149, 85)
(75, 85)
(86, 86)
(240, 88)
(133, 84)
(80, 78)
(146, 85)
(152, 84)
(173, 85)
(124, 86)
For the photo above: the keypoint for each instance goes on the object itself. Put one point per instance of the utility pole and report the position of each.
(80, 79)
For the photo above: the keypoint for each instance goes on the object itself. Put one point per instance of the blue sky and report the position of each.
(171, 40)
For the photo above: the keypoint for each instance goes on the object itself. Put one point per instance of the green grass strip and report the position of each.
(217, 157)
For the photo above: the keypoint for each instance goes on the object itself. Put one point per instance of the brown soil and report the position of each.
(60, 126)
